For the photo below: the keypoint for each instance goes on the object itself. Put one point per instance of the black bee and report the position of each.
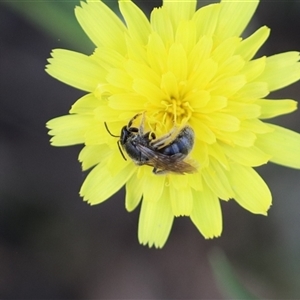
(164, 154)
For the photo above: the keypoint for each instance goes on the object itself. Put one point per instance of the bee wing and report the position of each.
(166, 163)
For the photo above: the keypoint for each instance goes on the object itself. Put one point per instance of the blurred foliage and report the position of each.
(56, 18)
(229, 285)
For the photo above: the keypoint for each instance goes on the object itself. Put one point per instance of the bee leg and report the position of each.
(131, 120)
(159, 172)
(141, 128)
(152, 135)
(149, 136)
(161, 141)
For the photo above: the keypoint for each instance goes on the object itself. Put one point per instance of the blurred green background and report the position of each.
(55, 246)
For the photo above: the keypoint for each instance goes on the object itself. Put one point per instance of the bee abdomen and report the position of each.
(182, 144)
(171, 149)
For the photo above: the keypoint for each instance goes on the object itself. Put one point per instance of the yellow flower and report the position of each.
(182, 67)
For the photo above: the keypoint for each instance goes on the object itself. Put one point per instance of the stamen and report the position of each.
(172, 111)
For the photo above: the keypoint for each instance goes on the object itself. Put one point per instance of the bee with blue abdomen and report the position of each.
(165, 154)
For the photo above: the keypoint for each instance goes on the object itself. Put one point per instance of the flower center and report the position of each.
(178, 110)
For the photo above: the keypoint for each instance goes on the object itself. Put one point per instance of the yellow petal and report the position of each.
(155, 222)
(200, 52)
(100, 184)
(282, 144)
(178, 182)
(214, 104)
(186, 35)
(228, 25)
(127, 101)
(251, 91)
(179, 10)
(242, 110)
(120, 79)
(104, 89)
(256, 125)
(273, 108)
(221, 121)
(102, 25)
(198, 99)
(177, 61)
(108, 58)
(200, 153)
(206, 214)
(169, 84)
(157, 53)
(141, 71)
(206, 20)
(216, 179)
(136, 21)
(251, 192)
(153, 192)
(247, 156)
(231, 66)
(249, 46)
(85, 105)
(203, 132)
(161, 24)
(254, 68)
(97, 133)
(227, 86)
(135, 50)
(115, 160)
(150, 91)
(244, 138)
(105, 113)
(181, 201)
(69, 130)
(281, 70)
(201, 77)
(225, 50)
(195, 181)
(134, 192)
(216, 151)
(75, 69)
(90, 156)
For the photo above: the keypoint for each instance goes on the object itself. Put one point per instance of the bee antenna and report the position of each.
(105, 124)
(118, 143)
(120, 149)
